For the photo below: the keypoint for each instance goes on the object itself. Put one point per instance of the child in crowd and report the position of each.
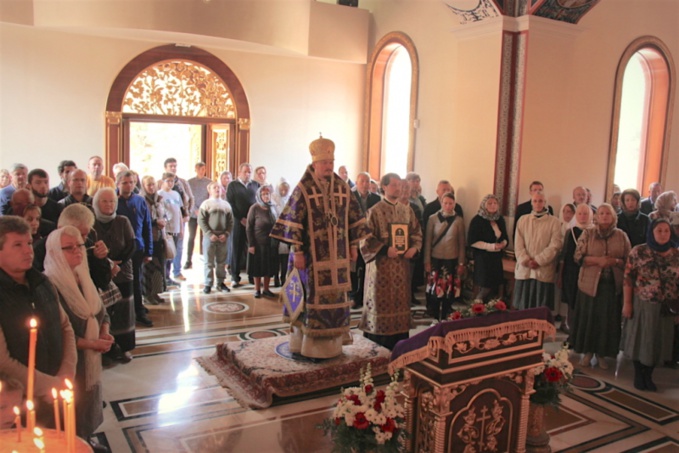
(216, 222)
(172, 202)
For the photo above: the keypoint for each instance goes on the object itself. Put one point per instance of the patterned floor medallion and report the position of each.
(225, 308)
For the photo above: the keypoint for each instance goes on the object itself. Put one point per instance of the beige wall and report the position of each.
(53, 98)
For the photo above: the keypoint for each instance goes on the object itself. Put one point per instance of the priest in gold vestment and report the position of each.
(324, 224)
(386, 301)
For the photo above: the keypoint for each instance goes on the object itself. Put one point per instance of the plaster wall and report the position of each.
(52, 100)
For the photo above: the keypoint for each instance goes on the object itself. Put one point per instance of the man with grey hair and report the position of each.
(19, 181)
(648, 204)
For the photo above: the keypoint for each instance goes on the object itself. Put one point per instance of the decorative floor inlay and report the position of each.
(225, 308)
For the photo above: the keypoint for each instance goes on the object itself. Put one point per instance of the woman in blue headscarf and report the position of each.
(650, 295)
(262, 253)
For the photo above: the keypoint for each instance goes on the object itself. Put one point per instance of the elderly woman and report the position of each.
(601, 252)
(538, 242)
(280, 199)
(651, 275)
(116, 232)
(444, 252)
(567, 214)
(262, 259)
(570, 269)
(66, 267)
(665, 204)
(154, 270)
(632, 221)
(487, 238)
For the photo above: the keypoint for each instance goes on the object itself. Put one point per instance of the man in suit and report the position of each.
(526, 208)
(241, 195)
(648, 204)
(366, 200)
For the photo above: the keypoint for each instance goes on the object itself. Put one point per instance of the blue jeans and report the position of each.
(176, 262)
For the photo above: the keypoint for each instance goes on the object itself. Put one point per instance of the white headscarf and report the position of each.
(83, 300)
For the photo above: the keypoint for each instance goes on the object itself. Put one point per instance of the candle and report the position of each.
(30, 416)
(71, 395)
(17, 422)
(57, 417)
(40, 444)
(31, 359)
(65, 406)
(69, 418)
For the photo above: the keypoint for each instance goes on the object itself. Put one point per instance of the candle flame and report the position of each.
(39, 443)
(33, 323)
(54, 393)
(29, 405)
(16, 411)
(68, 384)
(37, 431)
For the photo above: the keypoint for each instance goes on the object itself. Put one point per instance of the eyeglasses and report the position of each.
(73, 248)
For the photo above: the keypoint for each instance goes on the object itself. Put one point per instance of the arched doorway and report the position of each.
(185, 86)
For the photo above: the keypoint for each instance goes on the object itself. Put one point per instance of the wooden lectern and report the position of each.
(467, 382)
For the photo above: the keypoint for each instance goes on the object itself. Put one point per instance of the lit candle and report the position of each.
(40, 444)
(65, 406)
(57, 417)
(38, 440)
(71, 395)
(17, 422)
(69, 417)
(31, 359)
(30, 416)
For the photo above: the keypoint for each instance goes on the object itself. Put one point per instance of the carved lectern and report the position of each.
(467, 382)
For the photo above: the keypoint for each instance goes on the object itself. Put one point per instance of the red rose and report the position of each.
(501, 306)
(389, 426)
(338, 420)
(553, 374)
(381, 396)
(360, 422)
(355, 399)
(368, 389)
(478, 309)
(377, 406)
(455, 315)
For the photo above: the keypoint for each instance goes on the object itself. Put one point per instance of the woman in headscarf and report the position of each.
(116, 232)
(154, 270)
(601, 252)
(665, 205)
(570, 269)
(444, 256)
(263, 255)
(651, 276)
(567, 214)
(280, 199)
(632, 221)
(488, 237)
(66, 267)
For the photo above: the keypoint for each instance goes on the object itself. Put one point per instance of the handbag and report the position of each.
(110, 295)
(170, 248)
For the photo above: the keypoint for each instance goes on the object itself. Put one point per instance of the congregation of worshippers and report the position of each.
(106, 245)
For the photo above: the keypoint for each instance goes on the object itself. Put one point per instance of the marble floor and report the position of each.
(163, 401)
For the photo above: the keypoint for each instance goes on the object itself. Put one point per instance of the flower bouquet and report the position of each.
(367, 419)
(478, 308)
(552, 378)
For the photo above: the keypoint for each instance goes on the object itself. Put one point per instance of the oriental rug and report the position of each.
(259, 373)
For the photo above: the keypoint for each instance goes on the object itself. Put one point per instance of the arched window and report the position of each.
(644, 95)
(393, 75)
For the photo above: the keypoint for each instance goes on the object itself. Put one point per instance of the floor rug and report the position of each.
(256, 372)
